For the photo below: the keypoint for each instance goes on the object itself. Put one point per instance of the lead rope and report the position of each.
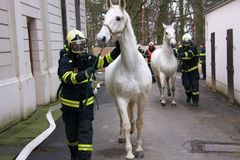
(88, 86)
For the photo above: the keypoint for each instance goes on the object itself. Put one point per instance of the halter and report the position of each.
(171, 38)
(168, 40)
(113, 33)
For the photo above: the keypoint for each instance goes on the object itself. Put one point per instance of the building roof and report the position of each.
(211, 5)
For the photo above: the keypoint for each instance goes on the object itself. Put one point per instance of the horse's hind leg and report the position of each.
(122, 104)
(159, 86)
(139, 124)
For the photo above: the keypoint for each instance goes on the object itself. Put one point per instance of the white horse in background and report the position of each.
(164, 64)
(128, 78)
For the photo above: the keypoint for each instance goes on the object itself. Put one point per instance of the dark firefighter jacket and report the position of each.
(202, 56)
(148, 54)
(76, 88)
(188, 56)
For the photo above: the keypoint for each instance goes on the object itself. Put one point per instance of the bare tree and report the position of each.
(147, 18)
(199, 21)
(94, 13)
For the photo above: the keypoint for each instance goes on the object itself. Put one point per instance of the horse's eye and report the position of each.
(166, 33)
(118, 18)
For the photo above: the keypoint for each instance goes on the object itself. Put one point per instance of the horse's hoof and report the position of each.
(132, 130)
(174, 104)
(169, 94)
(163, 104)
(130, 157)
(121, 140)
(139, 154)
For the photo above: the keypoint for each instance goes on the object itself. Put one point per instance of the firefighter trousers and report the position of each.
(153, 76)
(190, 81)
(79, 132)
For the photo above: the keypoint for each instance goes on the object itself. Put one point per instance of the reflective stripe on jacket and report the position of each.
(202, 56)
(188, 57)
(77, 89)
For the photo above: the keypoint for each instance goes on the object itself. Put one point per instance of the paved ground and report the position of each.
(167, 131)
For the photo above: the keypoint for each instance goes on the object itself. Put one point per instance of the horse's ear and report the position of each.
(109, 4)
(164, 26)
(122, 4)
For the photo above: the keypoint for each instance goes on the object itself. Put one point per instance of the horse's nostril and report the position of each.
(104, 39)
(173, 45)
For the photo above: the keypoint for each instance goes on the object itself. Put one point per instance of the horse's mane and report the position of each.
(131, 28)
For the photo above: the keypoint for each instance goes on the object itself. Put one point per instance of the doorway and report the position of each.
(230, 68)
(213, 64)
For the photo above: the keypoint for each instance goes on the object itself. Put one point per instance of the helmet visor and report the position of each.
(78, 46)
(187, 42)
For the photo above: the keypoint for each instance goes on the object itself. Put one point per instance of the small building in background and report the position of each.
(222, 26)
(32, 32)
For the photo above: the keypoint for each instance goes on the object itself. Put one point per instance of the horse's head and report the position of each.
(170, 35)
(115, 22)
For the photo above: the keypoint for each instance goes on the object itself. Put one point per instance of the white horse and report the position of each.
(128, 78)
(164, 64)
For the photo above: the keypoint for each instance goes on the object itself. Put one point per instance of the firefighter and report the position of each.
(148, 55)
(202, 59)
(76, 68)
(188, 57)
(139, 47)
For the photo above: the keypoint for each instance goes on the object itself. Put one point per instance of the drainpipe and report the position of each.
(77, 11)
(64, 19)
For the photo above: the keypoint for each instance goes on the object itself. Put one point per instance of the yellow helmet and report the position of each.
(76, 41)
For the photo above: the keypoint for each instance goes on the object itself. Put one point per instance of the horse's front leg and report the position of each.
(131, 116)
(168, 86)
(123, 104)
(162, 80)
(139, 124)
(173, 79)
(121, 138)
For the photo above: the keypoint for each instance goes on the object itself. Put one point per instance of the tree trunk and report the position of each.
(162, 19)
(181, 21)
(199, 22)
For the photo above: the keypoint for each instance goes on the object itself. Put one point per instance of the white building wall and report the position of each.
(218, 21)
(83, 17)
(7, 67)
(55, 43)
(28, 80)
(9, 84)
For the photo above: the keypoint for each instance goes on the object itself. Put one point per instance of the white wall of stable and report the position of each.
(219, 21)
(29, 80)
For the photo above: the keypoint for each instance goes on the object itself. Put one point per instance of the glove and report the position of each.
(83, 56)
(118, 46)
(181, 54)
(89, 72)
(175, 52)
(116, 51)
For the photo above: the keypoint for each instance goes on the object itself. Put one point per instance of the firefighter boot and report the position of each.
(74, 158)
(188, 100)
(195, 104)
